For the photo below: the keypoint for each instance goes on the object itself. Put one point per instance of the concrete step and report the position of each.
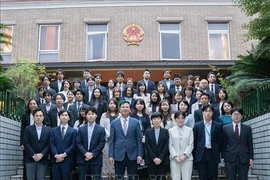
(20, 177)
(20, 170)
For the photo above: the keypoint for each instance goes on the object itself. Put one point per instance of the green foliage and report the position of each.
(25, 76)
(258, 27)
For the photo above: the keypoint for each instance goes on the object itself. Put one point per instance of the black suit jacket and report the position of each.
(51, 120)
(55, 86)
(33, 146)
(43, 108)
(198, 115)
(96, 145)
(102, 108)
(199, 141)
(243, 148)
(73, 109)
(153, 150)
(217, 87)
(66, 145)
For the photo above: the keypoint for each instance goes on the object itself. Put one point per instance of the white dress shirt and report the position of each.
(207, 129)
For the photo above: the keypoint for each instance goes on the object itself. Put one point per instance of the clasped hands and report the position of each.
(60, 157)
(37, 157)
(139, 159)
(180, 159)
(88, 156)
(157, 161)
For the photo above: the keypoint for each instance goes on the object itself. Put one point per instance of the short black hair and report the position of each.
(47, 92)
(60, 70)
(205, 94)
(37, 110)
(120, 73)
(180, 113)
(91, 77)
(147, 70)
(64, 110)
(211, 72)
(156, 115)
(205, 107)
(86, 70)
(239, 109)
(46, 76)
(59, 94)
(81, 91)
(92, 109)
(123, 102)
(96, 75)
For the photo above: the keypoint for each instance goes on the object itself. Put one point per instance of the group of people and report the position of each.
(106, 130)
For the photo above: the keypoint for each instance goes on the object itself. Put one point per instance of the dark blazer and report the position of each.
(212, 96)
(67, 145)
(43, 108)
(51, 120)
(150, 86)
(120, 144)
(165, 84)
(73, 109)
(102, 108)
(86, 96)
(198, 115)
(55, 86)
(144, 121)
(65, 105)
(243, 148)
(82, 86)
(153, 150)
(217, 87)
(172, 91)
(199, 141)
(25, 122)
(33, 146)
(96, 146)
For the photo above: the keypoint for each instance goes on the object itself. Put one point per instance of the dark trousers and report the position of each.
(157, 172)
(237, 169)
(207, 167)
(61, 171)
(88, 171)
(120, 167)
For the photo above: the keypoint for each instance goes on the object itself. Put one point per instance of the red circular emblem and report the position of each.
(133, 34)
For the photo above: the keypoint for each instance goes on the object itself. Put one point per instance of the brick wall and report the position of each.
(10, 153)
(261, 140)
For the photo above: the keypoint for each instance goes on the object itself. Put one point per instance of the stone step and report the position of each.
(20, 170)
(20, 177)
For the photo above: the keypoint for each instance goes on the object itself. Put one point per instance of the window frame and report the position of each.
(42, 52)
(89, 33)
(220, 32)
(170, 32)
(10, 40)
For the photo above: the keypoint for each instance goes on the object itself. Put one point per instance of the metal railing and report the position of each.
(11, 106)
(257, 103)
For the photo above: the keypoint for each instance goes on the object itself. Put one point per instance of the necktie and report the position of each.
(236, 132)
(78, 108)
(63, 132)
(42, 101)
(177, 89)
(125, 127)
(212, 87)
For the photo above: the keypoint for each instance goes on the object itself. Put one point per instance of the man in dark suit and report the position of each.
(125, 146)
(208, 141)
(168, 83)
(57, 85)
(98, 79)
(213, 86)
(120, 75)
(150, 85)
(90, 142)
(176, 87)
(48, 105)
(238, 147)
(62, 143)
(89, 89)
(37, 147)
(157, 148)
(76, 107)
(204, 86)
(53, 118)
(86, 75)
(198, 114)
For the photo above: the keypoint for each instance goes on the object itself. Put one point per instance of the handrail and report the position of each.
(256, 103)
(11, 106)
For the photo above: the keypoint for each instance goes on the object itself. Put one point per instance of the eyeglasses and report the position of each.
(236, 114)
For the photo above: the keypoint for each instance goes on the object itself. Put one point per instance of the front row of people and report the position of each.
(161, 148)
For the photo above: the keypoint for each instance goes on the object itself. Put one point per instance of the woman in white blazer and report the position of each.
(180, 147)
(105, 121)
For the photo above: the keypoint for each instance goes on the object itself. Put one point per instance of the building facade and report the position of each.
(184, 36)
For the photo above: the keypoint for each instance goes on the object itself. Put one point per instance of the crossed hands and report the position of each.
(60, 157)
(180, 159)
(38, 157)
(157, 161)
(88, 156)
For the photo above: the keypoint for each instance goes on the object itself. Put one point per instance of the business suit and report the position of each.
(52, 118)
(97, 143)
(198, 115)
(180, 144)
(61, 170)
(55, 86)
(144, 121)
(125, 148)
(84, 84)
(102, 107)
(150, 85)
(157, 150)
(172, 90)
(73, 109)
(206, 160)
(212, 96)
(165, 84)
(44, 109)
(216, 88)
(33, 146)
(122, 86)
(237, 154)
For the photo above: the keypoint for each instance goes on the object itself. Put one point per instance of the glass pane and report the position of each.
(48, 57)
(170, 46)
(6, 58)
(96, 47)
(6, 48)
(219, 46)
(49, 38)
(95, 28)
(217, 26)
(169, 27)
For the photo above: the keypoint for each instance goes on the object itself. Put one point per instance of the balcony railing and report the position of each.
(11, 106)
(257, 103)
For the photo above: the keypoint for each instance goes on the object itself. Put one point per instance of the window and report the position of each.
(96, 42)
(218, 34)
(6, 49)
(170, 39)
(49, 43)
